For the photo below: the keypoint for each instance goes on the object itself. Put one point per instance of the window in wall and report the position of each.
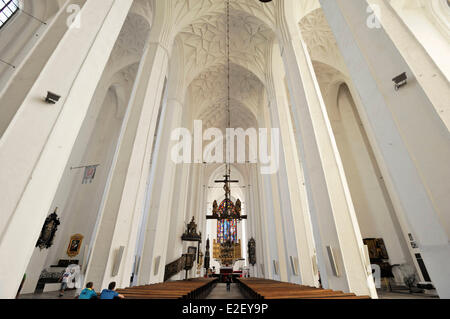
(226, 229)
(7, 9)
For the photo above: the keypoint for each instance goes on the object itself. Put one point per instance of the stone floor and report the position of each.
(404, 295)
(220, 292)
(50, 295)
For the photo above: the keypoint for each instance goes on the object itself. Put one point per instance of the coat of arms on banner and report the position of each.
(89, 174)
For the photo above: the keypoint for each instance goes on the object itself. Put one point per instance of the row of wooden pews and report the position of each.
(268, 289)
(183, 289)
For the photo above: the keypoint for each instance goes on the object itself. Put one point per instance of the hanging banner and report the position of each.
(89, 174)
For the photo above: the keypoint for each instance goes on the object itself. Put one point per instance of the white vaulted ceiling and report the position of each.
(216, 115)
(200, 28)
(204, 42)
(211, 86)
(187, 11)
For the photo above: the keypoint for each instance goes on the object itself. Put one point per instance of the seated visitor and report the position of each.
(64, 281)
(110, 293)
(88, 292)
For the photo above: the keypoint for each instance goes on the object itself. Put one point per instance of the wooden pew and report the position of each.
(270, 289)
(185, 289)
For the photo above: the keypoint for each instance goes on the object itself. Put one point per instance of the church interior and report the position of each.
(288, 149)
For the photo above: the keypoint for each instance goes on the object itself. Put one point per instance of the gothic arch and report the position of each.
(130, 43)
(320, 40)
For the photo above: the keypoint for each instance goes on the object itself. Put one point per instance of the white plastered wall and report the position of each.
(429, 21)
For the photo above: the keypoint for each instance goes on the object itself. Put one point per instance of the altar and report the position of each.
(227, 248)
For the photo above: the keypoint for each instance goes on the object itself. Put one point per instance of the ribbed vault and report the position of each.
(205, 43)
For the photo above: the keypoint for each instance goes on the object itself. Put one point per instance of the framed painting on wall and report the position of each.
(74, 245)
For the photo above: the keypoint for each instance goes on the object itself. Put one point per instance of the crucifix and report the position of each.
(228, 214)
(227, 181)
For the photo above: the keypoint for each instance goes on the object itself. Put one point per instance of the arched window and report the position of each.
(226, 229)
(7, 9)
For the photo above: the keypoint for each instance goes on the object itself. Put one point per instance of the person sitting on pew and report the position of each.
(88, 292)
(110, 293)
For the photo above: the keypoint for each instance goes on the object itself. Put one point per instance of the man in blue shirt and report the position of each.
(110, 293)
(88, 292)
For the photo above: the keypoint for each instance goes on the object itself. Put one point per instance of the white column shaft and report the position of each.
(157, 231)
(432, 80)
(124, 197)
(36, 146)
(301, 221)
(412, 140)
(324, 172)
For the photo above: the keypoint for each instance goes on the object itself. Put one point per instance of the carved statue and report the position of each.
(191, 232)
(252, 251)
(238, 207)
(226, 188)
(200, 260)
(215, 210)
(207, 255)
(192, 227)
(48, 231)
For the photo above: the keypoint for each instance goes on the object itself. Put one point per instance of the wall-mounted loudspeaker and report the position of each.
(52, 98)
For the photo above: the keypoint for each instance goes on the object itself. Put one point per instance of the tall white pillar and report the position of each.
(124, 197)
(199, 213)
(260, 229)
(37, 144)
(153, 260)
(426, 72)
(250, 207)
(30, 59)
(300, 220)
(177, 225)
(412, 142)
(291, 245)
(277, 265)
(268, 232)
(325, 178)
